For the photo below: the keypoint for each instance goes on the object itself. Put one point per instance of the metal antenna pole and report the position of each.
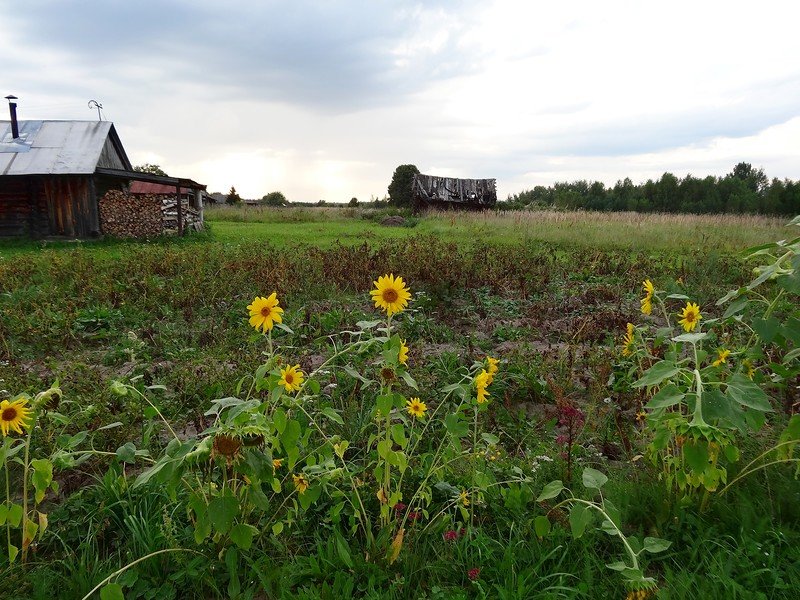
(98, 106)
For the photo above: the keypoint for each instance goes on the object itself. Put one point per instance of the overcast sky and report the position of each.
(323, 100)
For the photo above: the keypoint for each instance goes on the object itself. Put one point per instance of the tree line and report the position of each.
(743, 190)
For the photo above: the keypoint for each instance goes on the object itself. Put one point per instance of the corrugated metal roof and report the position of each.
(52, 147)
(145, 187)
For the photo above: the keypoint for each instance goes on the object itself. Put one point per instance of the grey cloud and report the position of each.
(332, 56)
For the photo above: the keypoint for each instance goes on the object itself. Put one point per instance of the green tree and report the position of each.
(353, 202)
(275, 199)
(400, 187)
(232, 197)
(151, 169)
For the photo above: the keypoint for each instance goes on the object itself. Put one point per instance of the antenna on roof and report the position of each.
(98, 106)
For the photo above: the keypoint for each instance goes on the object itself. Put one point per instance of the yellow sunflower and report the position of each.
(722, 355)
(276, 463)
(265, 312)
(481, 383)
(390, 294)
(291, 378)
(628, 340)
(14, 415)
(691, 316)
(402, 357)
(416, 408)
(649, 290)
(493, 368)
(300, 483)
(463, 497)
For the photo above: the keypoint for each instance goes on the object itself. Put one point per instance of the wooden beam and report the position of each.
(180, 209)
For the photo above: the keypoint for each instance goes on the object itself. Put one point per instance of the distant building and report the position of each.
(53, 175)
(430, 191)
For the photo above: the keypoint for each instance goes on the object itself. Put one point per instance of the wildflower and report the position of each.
(750, 370)
(649, 290)
(300, 483)
(722, 355)
(691, 315)
(400, 507)
(277, 463)
(265, 312)
(473, 574)
(628, 340)
(14, 415)
(493, 368)
(226, 445)
(450, 535)
(291, 378)
(463, 497)
(402, 357)
(416, 408)
(414, 515)
(481, 383)
(641, 416)
(390, 294)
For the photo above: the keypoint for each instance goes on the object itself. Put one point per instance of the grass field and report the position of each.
(549, 294)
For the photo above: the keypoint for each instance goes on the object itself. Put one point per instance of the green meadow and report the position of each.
(166, 451)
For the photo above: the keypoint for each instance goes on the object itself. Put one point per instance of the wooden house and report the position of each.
(54, 173)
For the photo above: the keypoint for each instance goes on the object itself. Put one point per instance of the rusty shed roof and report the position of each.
(57, 147)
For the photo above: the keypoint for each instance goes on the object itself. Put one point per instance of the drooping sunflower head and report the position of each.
(390, 294)
(14, 415)
(265, 312)
(722, 357)
(628, 341)
(690, 316)
(227, 445)
(300, 483)
(291, 378)
(416, 408)
(402, 356)
(647, 301)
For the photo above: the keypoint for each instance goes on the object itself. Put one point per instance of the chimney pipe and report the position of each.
(12, 108)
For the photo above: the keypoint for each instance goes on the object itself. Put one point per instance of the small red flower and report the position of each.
(473, 574)
(399, 507)
(414, 515)
(450, 535)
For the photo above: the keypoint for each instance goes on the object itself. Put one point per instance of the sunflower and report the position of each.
(276, 463)
(402, 357)
(649, 290)
(227, 445)
(481, 383)
(14, 415)
(691, 315)
(390, 294)
(463, 497)
(722, 355)
(493, 368)
(291, 378)
(416, 408)
(628, 340)
(750, 370)
(300, 483)
(265, 312)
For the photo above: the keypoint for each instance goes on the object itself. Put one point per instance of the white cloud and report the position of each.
(325, 104)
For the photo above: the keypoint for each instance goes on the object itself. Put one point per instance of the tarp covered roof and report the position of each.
(56, 147)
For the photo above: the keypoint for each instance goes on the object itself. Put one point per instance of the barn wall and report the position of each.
(23, 211)
(71, 206)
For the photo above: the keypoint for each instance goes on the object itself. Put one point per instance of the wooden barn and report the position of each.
(53, 175)
(430, 191)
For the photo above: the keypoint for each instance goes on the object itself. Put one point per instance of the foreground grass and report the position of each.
(172, 313)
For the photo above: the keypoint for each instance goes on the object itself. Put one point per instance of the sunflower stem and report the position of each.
(8, 504)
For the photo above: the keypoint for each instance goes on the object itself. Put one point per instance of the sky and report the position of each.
(323, 99)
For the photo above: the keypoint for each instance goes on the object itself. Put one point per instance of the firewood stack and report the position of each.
(144, 215)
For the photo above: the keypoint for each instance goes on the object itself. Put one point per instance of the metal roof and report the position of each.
(55, 147)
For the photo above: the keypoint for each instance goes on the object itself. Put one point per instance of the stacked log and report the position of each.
(144, 215)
